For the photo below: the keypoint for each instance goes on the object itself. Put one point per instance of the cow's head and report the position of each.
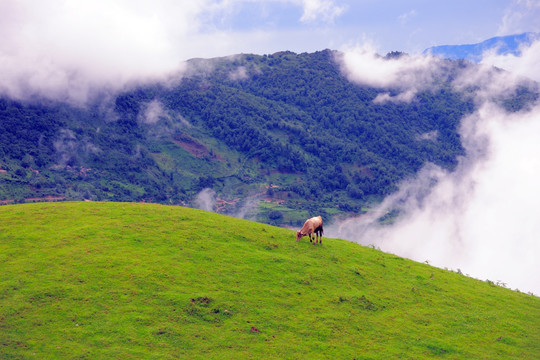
(298, 235)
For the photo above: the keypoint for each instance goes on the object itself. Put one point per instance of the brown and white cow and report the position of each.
(312, 226)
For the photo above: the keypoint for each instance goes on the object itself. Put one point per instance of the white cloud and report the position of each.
(63, 50)
(406, 96)
(67, 50)
(240, 73)
(321, 10)
(520, 16)
(153, 112)
(481, 218)
(206, 200)
(488, 82)
(430, 135)
(526, 65)
(407, 74)
(406, 17)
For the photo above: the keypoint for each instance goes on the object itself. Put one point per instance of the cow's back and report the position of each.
(317, 222)
(311, 225)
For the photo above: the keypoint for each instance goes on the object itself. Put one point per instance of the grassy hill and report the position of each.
(146, 281)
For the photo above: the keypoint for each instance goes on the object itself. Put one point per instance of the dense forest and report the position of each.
(276, 137)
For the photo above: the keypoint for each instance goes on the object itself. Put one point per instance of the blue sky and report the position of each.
(409, 26)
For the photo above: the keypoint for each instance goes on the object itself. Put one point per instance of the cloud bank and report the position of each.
(520, 16)
(404, 74)
(480, 218)
(69, 50)
(66, 50)
(524, 65)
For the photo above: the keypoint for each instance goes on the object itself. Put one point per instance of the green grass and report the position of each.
(145, 281)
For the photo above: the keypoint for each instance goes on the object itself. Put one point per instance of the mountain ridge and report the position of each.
(501, 45)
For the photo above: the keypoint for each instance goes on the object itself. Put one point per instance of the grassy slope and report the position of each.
(131, 281)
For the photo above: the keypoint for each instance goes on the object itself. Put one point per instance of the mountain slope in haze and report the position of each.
(273, 138)
(123, 280)
(502, 45)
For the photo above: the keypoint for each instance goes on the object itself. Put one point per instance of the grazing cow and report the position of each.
(312, 226)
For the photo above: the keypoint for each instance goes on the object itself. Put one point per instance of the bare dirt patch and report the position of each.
(195, 148)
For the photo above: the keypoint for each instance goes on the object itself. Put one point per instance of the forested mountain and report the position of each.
(288, 129)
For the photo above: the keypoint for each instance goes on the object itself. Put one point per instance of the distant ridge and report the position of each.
(503, 45)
